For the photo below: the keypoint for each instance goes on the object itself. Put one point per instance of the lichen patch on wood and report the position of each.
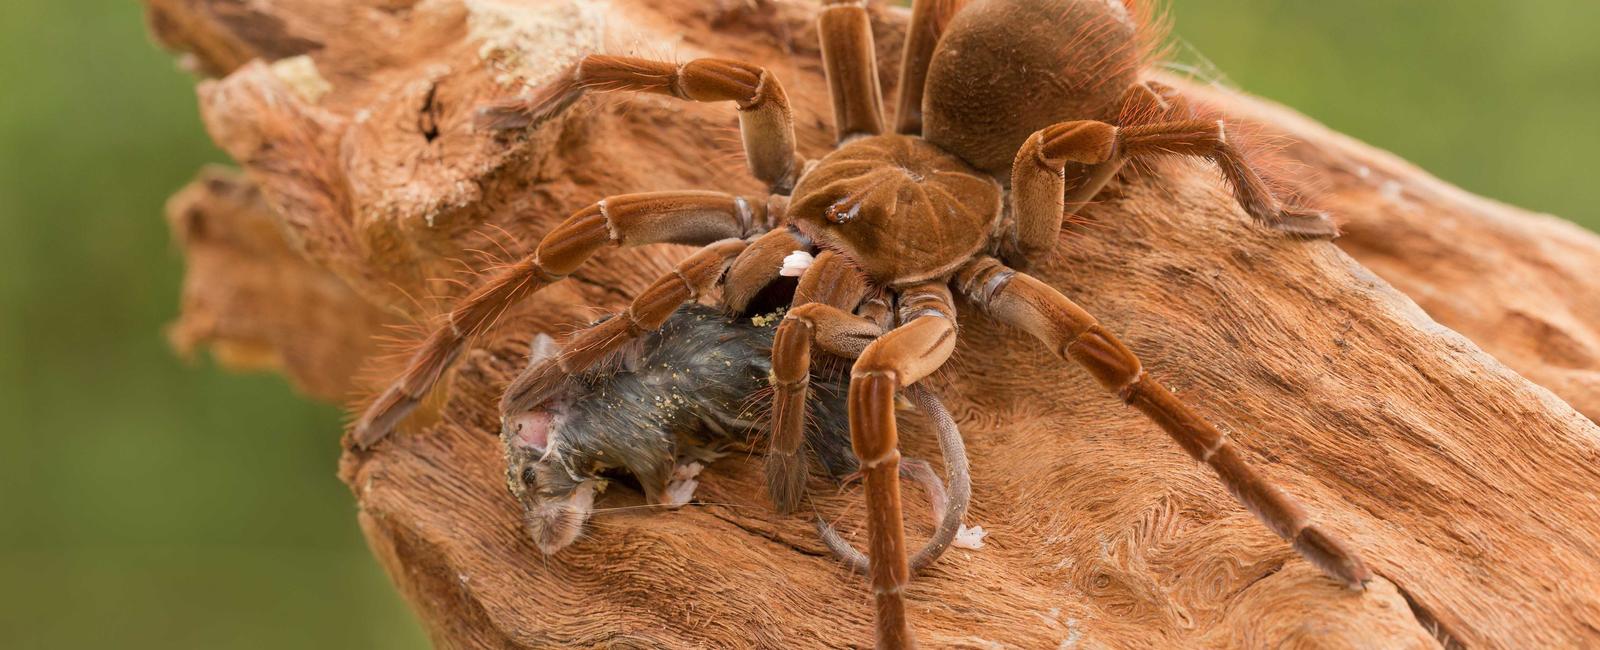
(530, 43)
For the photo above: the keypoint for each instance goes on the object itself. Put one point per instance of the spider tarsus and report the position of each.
(505, 115)
(519, 114)
(381, 418)
(1330, 555)
(786, 480)
(1311, 224)
(529, 111)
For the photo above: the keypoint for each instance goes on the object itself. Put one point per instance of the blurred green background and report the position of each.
(147, 503)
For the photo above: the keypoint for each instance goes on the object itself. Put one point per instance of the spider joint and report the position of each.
(542, 275)
(925, 311)
(611, 226)
(676, 84)
(758, 96)
(689, 285)
(892, 456)
(746, 215)
(1130, 390)
(996, 283)
(793, 384)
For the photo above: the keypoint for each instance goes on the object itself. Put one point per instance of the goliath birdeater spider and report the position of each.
(1011, 114)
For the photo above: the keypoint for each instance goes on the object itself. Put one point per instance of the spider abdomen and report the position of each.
(1007, 68)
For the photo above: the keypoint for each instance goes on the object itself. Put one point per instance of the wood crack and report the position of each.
(772, 535)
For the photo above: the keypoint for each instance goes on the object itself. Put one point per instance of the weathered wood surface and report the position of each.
(1473, 492)
(254, 301)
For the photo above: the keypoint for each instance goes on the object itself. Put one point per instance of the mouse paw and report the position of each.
(680, 490)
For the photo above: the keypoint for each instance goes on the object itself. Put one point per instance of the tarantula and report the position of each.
(1011, 114)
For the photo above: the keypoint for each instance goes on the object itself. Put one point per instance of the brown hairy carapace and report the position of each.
(1017, 127)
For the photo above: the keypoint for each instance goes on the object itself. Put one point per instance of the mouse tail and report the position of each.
(949, 502)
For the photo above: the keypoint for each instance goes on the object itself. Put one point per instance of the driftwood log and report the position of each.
(1447, 442)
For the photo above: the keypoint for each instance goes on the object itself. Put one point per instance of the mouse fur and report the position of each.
(652, 412)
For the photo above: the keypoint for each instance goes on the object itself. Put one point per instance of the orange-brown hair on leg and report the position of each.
(818, 317)
(590, 346)
(1018, 299)
(1152, 102)
(699, 218)
(929, 20)
(766, 121)
(849, 59)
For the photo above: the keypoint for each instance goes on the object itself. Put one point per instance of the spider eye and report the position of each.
(529, 477)
(842, 213)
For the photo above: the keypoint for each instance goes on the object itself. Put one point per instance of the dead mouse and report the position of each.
(660, 410)
(655, 412)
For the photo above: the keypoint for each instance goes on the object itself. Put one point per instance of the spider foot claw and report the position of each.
(529, 111)
(1312, 224)
(1331, 555)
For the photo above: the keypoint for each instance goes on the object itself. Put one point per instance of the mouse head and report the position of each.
(560, 448)
(556, 500)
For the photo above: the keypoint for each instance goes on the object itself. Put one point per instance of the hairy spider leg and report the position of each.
(1042, 197)
(818, 317)
(1149, 102)
(948, 509)
(688, 217)
(850, 62)
(929, 18)
(1017, 299)
(766, 122)
(586, 348)
(1146, 102)
(903, 356)
(818, 320)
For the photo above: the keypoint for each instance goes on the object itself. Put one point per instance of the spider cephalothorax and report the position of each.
(901, 208)
(1011, 115)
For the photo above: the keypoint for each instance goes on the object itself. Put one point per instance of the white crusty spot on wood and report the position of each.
(969, 538)
(1074, 635)
(530, 42)
(300, 74)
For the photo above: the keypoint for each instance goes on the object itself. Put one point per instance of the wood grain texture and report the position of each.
(1473, 492)
(1521, 285)
(251, 299)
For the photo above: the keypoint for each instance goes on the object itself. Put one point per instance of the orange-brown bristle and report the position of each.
(1266, 152)
(1122, 38)
(727, 148)
(1152, 24)
(1137, 113)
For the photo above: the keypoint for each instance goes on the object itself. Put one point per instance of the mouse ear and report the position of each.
(543, 347)
(530, 430)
